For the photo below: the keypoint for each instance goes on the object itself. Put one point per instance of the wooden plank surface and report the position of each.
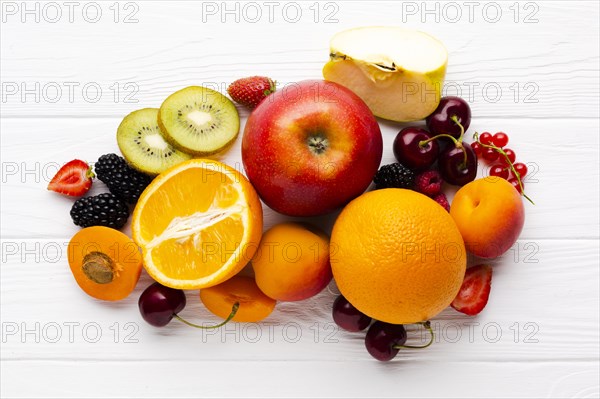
(539, 335)
(544, 65)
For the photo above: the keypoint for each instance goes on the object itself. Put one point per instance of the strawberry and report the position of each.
(73, 179)
(251, 91)
(474, 291)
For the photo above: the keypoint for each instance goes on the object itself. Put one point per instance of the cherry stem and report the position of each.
(508, 161)
(423, 143)
(462, 128)
(427, 326)
(457, 142)
(234, 310)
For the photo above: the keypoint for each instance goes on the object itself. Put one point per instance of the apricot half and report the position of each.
(105, 262)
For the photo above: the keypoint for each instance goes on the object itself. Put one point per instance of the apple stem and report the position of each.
(234, 310)
(318, 144)
(427, 326)
(508, 161)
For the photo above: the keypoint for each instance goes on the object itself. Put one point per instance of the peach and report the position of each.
(489, 213)
(292, 262)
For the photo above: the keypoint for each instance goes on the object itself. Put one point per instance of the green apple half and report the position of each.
(398, 72)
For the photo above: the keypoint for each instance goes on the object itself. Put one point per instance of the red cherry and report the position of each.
(499, 171)
(521, 169)
(485, 138)
(516, 185)
(477, 148)
(510, 154)
(490, 155)
(500, 139)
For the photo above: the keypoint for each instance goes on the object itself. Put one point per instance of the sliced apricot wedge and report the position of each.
(254, 305)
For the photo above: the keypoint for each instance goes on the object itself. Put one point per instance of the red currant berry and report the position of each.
(516, 185)
(499, 171)
(521, 169)
(490, 155)
(477, 148)
(510, 154)
(485, 138)
(500, 139)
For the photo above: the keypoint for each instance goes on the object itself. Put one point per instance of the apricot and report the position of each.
(292, 262)
(105, 262)
(253, 304)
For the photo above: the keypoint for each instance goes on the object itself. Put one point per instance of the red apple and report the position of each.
(311, 148)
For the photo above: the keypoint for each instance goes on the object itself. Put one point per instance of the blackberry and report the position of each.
(122, 180)
(101, 210)
(394, 175)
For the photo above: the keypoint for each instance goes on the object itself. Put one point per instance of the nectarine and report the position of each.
(490, 215)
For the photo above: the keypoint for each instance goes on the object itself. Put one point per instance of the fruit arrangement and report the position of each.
(397, 250)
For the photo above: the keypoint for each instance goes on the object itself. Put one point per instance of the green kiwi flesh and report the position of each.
(143, 145)
(199, 121)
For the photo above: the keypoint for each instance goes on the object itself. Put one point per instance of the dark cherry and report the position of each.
(381, 339)
(452, 165)
(412, 155)
(348, 317)
(158, 304)
(440, 121)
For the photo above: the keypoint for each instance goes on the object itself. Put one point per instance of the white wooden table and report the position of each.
(71, 71)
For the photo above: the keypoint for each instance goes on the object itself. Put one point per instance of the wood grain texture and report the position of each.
(287, 379)
(553, 61)
(513, 327)
(539, 335)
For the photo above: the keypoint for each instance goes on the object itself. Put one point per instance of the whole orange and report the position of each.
(292, 262)
(397, 256)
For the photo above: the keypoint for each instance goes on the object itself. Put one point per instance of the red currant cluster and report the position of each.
(492, 149)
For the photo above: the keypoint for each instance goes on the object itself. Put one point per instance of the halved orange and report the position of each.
(198, 224)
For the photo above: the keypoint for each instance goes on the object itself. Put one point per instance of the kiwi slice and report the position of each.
(142, 143)
(199, 120)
